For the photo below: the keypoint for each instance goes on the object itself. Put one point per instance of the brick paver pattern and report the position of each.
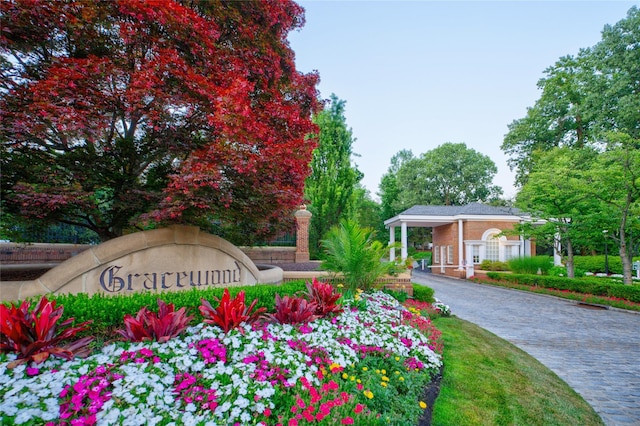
(595, 351)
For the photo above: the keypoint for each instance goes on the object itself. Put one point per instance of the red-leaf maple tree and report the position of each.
(182, 111)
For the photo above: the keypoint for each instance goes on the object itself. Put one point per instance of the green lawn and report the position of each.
(488, 381)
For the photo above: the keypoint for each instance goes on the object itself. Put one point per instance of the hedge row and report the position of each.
(596, 264)
(595, 286)
(108, 311)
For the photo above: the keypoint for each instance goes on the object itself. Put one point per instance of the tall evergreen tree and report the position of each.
(333, 179)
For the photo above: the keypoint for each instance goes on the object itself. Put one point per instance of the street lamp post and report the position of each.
(606, 253)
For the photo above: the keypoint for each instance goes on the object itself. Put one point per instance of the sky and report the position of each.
(417, 74)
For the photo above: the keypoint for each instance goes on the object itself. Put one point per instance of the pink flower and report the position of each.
(266, 412)
(358, 408)
(32, 371)
(293, 422)
(308, 415)
(347, 421)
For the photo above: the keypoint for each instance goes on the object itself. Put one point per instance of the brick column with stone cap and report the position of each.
(303, 218)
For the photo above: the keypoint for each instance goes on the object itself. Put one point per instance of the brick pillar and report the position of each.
(303, 218)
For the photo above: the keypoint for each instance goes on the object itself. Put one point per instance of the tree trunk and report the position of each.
(625, 258)
(570, 269)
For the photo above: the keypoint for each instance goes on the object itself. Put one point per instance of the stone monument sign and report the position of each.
(169, 259)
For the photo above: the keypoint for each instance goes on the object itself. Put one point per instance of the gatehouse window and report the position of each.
(493, 248)
(436, 254)
(475, 254)
(450, 255)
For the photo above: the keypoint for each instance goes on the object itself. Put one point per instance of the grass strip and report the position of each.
(489, 381)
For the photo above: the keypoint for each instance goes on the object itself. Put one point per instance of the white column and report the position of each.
(460, 245)
(392, 241)
(403, 238)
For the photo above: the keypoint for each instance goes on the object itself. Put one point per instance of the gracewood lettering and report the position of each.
(112, 281)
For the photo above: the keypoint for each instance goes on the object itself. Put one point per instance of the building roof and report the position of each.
(430, 216)
(469, 209)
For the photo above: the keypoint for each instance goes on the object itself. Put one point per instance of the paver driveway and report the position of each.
(597, 352)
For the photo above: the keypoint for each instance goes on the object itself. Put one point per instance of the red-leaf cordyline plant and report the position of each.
(293, 310)
(324, 296)
(36, 335)
(230, 313)
(147, 325)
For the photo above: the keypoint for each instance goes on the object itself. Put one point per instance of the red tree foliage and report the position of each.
(182, 111)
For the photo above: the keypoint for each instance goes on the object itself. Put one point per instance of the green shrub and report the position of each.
(595, 286)
(596, 264)
(493, 265)
(108, 310)
(400, 296)
(530, 264)
(561, 271)
(423, 293)
(423, 255)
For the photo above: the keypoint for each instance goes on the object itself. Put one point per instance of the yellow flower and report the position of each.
(397, 358)
(423, 405)
(385, 379)
(368, 394)
(401, 379)
(334, 367)
(358, 381)
(384, 371)
(397, 372)
(345, 376)
(377, 371)
(340, 286)
(383, 384)
(352, 378)
(364, 368)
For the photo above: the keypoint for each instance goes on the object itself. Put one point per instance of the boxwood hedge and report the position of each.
(595, 286)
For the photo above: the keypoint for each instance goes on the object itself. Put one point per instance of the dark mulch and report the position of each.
(429, 397)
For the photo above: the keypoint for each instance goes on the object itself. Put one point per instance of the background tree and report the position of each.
(591, 101)
(333, 179)
(550, 194)
(614, 180)
(388, 188)
(181, 111)
(366, 211)
(583, 98)
(450, 174)
(556, 119)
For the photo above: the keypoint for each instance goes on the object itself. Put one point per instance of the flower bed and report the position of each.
(367, 365)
